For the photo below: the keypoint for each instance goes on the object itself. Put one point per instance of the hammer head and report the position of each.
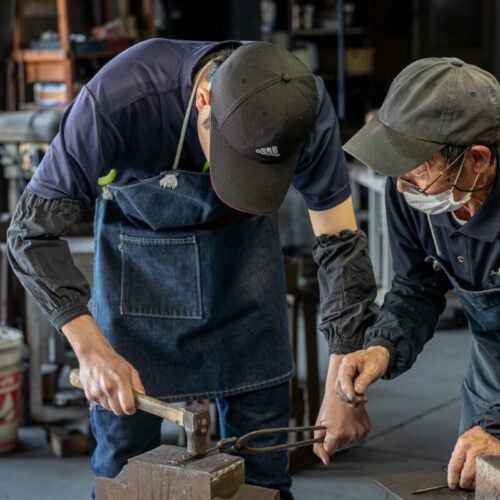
(196, 421)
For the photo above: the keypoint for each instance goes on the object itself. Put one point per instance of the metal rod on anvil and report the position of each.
(431, 488)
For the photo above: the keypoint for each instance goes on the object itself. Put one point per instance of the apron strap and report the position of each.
(185, 123)
(434, 239)
(435, 264)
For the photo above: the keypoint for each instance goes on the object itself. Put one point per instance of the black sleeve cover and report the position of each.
(41, 259)
(347, 289)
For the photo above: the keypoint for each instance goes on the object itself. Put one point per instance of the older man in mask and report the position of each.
(436, 138)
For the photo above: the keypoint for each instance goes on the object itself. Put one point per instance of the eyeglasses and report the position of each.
(423, 191)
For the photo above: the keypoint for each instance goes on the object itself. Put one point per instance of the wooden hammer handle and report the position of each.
(143, 402)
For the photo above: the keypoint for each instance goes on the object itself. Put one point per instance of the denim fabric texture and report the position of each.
(153, 272)
(192, 293)
(481, 386)
(267, 408)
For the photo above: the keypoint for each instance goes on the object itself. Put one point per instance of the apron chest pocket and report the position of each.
(160, 277)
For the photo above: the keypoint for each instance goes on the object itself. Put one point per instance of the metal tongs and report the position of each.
(239, 445)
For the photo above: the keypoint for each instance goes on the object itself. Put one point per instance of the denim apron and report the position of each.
(482, 380)
(191, 292)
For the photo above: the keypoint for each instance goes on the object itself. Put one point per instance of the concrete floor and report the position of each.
(414, 428)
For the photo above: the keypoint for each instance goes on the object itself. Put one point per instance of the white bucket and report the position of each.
(10, 386)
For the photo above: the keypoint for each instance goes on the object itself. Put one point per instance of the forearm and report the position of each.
(405, 322)
(107, 378)
(409, 314)
(85, 338)
(345, 426)
(42, 261)
(334, 363)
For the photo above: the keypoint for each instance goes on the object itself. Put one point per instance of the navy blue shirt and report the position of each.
(411, 308)
(129, 118)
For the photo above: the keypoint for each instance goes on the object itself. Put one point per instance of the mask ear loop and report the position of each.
(453, 184)
(472, 188)
(458, 177)
(474, 183)
(185, 123)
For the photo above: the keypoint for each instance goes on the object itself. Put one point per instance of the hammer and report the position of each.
(195, 420)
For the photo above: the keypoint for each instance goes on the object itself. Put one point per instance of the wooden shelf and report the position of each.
(35, 55)
(336, 46)
(58, 65)
(320, 32)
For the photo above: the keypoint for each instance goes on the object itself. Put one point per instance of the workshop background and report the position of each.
(50, 48)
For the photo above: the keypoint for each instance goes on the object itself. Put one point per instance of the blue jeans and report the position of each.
(121, 438)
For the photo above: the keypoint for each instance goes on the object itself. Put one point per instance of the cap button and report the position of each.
(286, 77)
(457, 62)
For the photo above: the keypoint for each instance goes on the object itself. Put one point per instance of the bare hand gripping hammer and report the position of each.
(195, 419)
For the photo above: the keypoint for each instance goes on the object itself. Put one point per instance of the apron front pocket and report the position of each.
(160, 277)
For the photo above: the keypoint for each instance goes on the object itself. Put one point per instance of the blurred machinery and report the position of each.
(24, 139)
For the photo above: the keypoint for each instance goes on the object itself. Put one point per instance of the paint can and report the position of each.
(11, 341)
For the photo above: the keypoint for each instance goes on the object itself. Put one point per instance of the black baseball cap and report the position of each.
(432, 103)
(263, 106)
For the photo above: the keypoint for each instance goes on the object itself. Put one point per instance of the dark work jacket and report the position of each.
(428, 263)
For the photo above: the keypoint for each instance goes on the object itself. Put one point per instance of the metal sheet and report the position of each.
(401, 486)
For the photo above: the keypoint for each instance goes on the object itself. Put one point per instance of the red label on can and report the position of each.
(9, 397)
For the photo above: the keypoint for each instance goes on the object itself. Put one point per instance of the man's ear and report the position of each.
(202, 97)
(481, 158)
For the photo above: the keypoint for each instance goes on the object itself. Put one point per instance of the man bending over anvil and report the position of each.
(189, 298)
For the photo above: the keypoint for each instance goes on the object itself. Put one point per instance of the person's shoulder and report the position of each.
(148, 68)
(165, 47)
(153, 52)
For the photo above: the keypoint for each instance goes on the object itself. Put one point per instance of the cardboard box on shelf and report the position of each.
(358, 61)
(49, 94)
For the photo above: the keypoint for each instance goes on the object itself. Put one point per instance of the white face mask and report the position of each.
(434, 204)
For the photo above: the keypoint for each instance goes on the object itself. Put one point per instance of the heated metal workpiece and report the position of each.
(156, 475)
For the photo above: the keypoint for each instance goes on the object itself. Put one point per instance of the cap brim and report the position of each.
(248, 186)
(387, 152)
